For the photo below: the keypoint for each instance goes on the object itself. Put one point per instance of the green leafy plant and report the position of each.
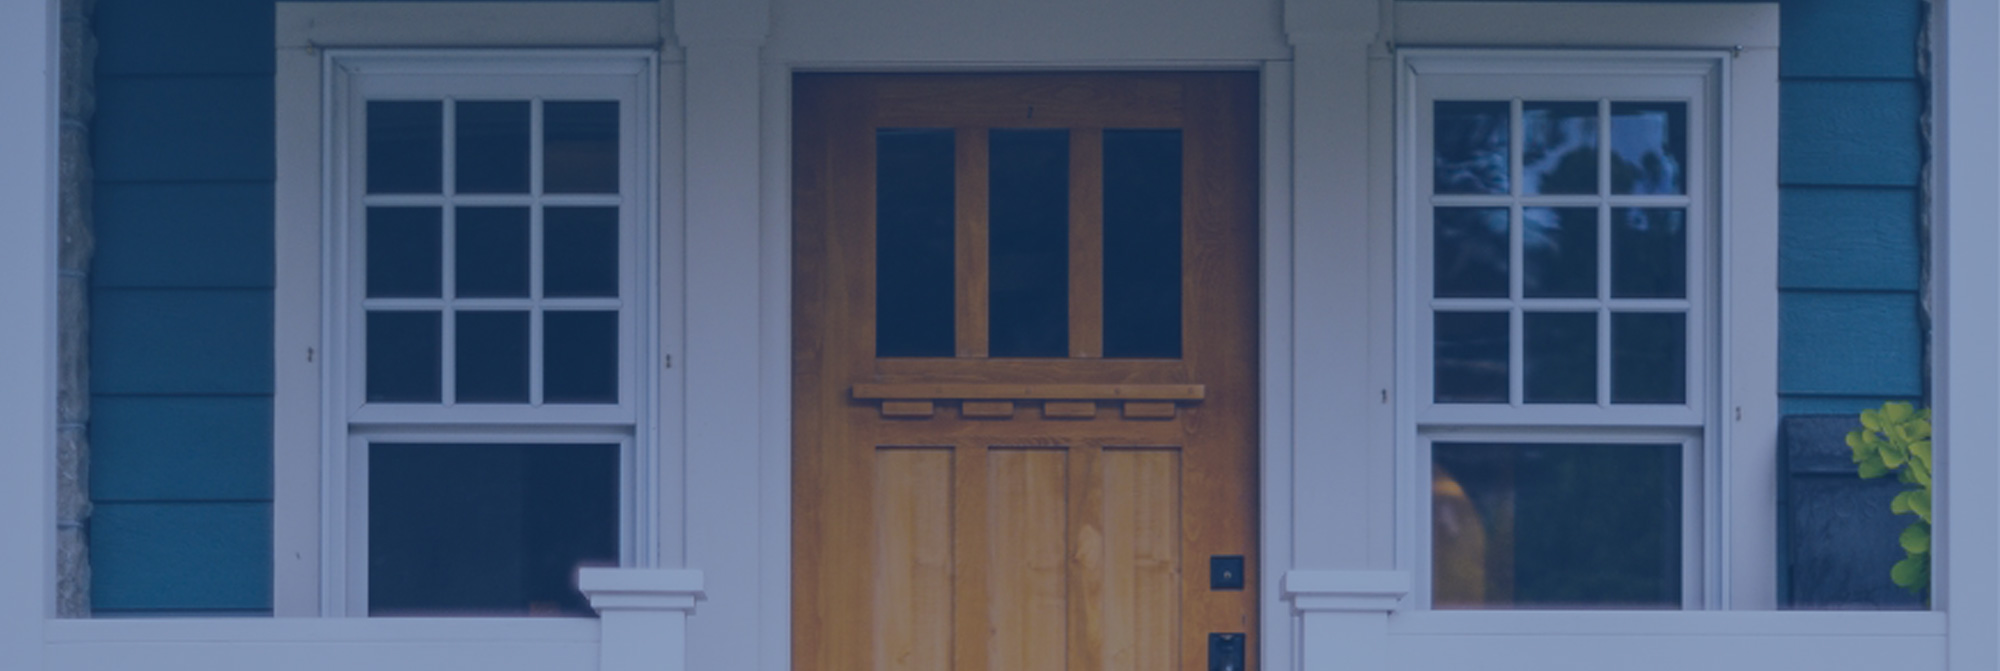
(1897, 439)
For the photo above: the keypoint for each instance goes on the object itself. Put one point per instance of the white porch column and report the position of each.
(1966, 337)
(722, 40)
(28, 141)
(1344, 617)
(643, 615)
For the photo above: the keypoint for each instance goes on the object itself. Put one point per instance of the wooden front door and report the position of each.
(1024, 371)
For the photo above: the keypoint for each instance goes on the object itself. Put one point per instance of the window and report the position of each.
(487, 312)
(1561, 302)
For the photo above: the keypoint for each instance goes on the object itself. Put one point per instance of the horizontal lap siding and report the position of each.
(181, 308)
(1850, 167)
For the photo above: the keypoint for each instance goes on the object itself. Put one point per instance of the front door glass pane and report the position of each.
(915, 238)
(1142, 243)
(1029, 243)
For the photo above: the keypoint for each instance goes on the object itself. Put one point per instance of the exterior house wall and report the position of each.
(182, 304)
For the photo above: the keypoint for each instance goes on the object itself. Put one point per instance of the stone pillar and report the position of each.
(78, 105)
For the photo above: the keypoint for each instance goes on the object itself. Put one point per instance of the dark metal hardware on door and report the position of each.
(1225, 652)
(1225, 572)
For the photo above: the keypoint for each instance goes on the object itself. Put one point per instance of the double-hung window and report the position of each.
(1560, 304)
(486, 302)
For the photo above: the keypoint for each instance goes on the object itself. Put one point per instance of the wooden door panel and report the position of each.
(977, 513)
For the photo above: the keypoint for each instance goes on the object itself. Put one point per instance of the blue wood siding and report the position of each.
(1850, 164)
(181, 308)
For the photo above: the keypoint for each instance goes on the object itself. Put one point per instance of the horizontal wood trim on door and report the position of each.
(1065, 392)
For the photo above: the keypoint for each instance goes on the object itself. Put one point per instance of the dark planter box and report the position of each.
(1837, 538)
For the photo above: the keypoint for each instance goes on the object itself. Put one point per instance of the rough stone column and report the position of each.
(78, 105)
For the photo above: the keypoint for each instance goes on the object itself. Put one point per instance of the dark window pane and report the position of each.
(1470, 252)
(1648, 253)
(1470, 147)
(492, 247)
(580, 147)
(405, 252)
(1558, 147)
(1029, 243)
(580, 251)
(1559, 252)
(488, 529)
(580, 356)
(405, 357)
(1555, 526)
(1559, 357)
(915, 243)
(1471, 363)
(1648, 148)
(1142, 243)
(492, 357)
(1648, 357)
(492, 147)
(405, 146)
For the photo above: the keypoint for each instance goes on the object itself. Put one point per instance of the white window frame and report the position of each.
(1700, 78)
(321, 500)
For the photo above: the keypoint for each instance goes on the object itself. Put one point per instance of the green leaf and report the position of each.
(1854, 440)
(1897, 412)
(1920, 428)
(1916, 539)
(1873, 468)
(1919, 474)
(1901, 504)
(1893, 458)
(1920, 503)
(1921, 451)
(1911, 573)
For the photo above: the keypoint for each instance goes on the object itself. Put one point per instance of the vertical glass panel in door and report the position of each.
(488, 529)
(1648, 253)
(1559, 252)
(405, 252)
(915, 242)
(580, 356)
(1142, 243)
(1470, 364)
(1649, 357)
(580, 252)
(1559, 357)
(1555, 525)
(405, 146)
(1470, 147)
(580, 147)
(1028, 244)
(1558, 148)
(405, 356)
(492, 364)
(492, 146)
(492, 247)
(1469, 255)
(1649, 148)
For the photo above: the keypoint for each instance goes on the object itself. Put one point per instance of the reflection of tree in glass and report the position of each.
(1559, 148)
(1470, 147)
(1648, 148)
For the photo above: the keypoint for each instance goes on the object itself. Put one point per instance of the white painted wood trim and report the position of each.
(1556, 24)
(1347, 591)
(644, 615)
(318, 25)
(1276, 517)
(1966, 365)
(28, 142)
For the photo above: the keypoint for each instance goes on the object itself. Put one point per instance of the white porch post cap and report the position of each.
(1346, 591)
(640, 589)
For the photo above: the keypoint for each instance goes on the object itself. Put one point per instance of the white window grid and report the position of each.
(1693, 78)
(349, 423)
